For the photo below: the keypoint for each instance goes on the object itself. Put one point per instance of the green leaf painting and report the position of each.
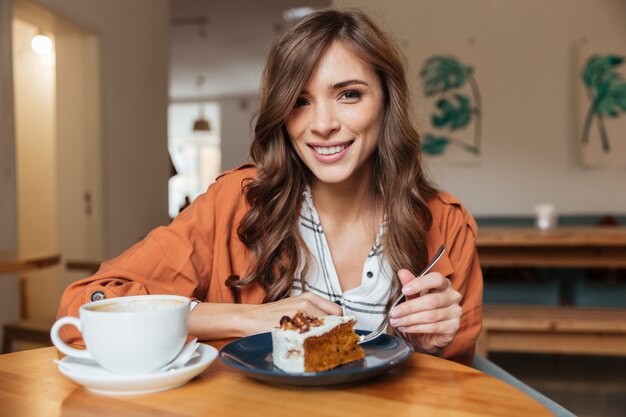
(607, 93)
(437, 145)
(444, 78)
(454, 116)
(434, 145)
(441, 73)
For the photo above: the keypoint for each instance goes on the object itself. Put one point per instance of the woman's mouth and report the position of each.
(331, 150)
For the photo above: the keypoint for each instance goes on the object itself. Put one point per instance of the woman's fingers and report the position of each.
(433, 281)
(446, 327)
(323, 306)
(262, 317)
(431, 314)
(427, 302)
(432, 305)
(427, 317)
(312, 304)
(405, 276)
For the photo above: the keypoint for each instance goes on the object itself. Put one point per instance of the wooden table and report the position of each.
(599, 247)
(31, 386)
(13, 261)
(557, 329)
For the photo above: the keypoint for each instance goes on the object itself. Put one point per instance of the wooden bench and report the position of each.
(540, 329)
(574, 330)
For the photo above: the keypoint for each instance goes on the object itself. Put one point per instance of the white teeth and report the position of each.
(329, 150)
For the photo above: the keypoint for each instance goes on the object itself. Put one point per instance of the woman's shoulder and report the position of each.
(237, 175)
(448, 211)
(444, 201)
(227, 192)
(233, 181)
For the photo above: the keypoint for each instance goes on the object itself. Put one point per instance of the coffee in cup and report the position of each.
(129, 335)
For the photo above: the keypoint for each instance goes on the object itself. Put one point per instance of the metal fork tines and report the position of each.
(383, 325)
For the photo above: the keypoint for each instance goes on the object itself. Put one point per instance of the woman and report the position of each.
(336, 214)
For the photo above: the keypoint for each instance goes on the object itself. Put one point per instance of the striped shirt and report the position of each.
(367, 301)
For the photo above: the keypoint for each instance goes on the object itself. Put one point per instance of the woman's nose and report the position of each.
(324, 121)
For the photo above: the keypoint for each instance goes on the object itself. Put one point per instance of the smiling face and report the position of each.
(335, 124)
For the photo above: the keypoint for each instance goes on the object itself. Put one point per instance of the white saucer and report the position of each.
(99, 380)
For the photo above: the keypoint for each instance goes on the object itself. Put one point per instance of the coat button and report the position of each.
(370, 274)
(98, 295)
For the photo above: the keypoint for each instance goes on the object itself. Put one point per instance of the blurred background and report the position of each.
(115, 115)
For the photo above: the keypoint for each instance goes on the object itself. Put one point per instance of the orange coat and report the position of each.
(200, 249)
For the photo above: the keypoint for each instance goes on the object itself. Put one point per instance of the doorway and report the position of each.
(58, 150)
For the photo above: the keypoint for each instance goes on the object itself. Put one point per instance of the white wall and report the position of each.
(133, 39)
(236, 115)
(530, 124)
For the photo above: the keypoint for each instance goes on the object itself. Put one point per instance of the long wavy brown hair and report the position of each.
(270, 228)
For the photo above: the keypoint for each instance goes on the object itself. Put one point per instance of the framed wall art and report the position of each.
(448, 101)
(601, 85)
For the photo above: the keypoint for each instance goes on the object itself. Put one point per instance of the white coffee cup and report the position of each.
(545, 216)
(129, 335)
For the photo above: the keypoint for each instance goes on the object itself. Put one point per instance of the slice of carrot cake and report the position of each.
(310, 344)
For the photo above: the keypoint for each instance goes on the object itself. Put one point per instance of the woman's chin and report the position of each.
(332, 176)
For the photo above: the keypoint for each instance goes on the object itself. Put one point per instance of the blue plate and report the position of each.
(253, 356)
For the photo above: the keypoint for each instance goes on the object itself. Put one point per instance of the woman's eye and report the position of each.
(301, 102)
(351, 95)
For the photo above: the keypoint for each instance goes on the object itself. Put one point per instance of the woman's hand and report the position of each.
(211, 321)
(262, 317)
(431, 315)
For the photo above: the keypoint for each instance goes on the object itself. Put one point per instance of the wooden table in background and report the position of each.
(12, 261)
(31, 386)
(592, 247)
(553, 329)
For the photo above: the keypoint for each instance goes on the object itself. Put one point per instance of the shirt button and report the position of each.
(98, 295)
(370, 274)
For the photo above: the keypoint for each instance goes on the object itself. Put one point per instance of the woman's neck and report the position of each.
(349, 200)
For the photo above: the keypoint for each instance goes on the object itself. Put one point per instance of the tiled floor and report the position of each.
(588, 386)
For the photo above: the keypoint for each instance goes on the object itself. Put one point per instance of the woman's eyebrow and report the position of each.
(346, 83)
(341, 84)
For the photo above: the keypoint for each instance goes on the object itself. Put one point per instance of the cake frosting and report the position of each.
(303, 336)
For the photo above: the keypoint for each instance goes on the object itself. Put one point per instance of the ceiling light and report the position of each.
(41, 44)
(201, 124)
(297, 13)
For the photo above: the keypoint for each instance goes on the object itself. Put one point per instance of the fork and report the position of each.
(383, 325)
